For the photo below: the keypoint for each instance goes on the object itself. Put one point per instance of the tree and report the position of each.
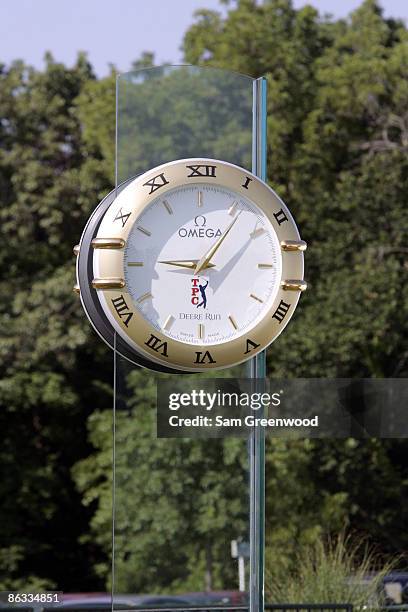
(49, 383)
(179, 502)
(337, 154)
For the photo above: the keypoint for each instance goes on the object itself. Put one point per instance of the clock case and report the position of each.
(109, 263)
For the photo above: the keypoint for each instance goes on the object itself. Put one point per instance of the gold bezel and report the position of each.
(136, 330)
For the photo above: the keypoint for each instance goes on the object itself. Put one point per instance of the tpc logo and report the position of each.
(198, 296)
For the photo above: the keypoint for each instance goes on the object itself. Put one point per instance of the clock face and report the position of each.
(198, 264)
(230, 294)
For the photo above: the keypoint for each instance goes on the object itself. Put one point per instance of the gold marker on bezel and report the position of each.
(293, 245)
(294, 285)
(108, 283)
(108, 243)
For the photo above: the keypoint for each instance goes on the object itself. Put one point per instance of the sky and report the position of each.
(118, 31)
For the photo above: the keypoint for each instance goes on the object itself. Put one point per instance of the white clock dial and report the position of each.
(197, 264)
(240, 257)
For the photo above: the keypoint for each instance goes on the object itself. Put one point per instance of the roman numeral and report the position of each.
(204, 358)
(280, 217)
(122, 309)
(247, 181)
(250, 346)
(157, 345)
(156, 182)
(281, 311)
(121, 216)
(202, 170)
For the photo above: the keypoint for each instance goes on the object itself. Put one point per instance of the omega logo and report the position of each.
(204, 220)
(199, 230)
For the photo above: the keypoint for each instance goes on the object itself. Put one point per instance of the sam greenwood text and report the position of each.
(249, 421)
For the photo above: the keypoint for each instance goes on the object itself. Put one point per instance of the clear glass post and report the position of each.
(163, 114)
(257, 371)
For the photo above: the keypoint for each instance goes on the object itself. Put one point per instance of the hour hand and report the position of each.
(189, 264)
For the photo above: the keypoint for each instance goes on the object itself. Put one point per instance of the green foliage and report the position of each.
(331, 485)
(333, 571)
(178, 503)
(337, 154)
(156, 124)
(51, 367)
(337, 143)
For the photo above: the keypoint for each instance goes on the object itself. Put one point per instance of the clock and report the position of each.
(196, 264)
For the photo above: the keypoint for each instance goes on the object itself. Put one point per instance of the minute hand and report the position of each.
(190, 264)
(206, 258)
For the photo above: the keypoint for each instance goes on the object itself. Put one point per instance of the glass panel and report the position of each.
(256, 369)
(178, 503)
(174, 112)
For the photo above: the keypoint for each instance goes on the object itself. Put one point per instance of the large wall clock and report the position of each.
(196, 264)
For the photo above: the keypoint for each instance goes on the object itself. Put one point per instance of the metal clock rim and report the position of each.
(262, 195)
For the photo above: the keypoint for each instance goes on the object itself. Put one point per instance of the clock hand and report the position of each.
(190, 264)
(205, 260)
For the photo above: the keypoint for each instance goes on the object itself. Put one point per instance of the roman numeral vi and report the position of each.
(204, 358)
